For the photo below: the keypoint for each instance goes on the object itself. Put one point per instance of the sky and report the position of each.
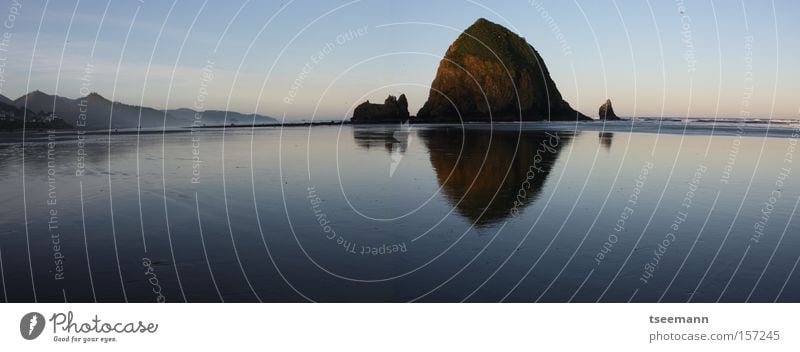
(319, 59)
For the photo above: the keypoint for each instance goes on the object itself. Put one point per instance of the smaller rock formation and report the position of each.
(607, 111)
(392, 110)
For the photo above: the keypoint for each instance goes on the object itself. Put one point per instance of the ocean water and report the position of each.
(651, 211)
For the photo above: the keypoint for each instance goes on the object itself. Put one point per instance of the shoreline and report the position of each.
(697, 127)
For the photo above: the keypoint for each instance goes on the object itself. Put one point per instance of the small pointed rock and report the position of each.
(606, 111)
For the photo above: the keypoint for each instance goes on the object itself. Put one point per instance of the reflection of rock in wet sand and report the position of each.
(506, 183)
(392, 139)
(605, 139)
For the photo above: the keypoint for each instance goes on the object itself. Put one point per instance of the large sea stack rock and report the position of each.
(491, 73)
(392, 110)
(606, 111)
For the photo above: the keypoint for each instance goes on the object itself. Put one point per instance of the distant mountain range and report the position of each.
(5, 100)
(101, 113)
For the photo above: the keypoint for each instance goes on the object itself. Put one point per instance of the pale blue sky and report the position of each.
(586, 46)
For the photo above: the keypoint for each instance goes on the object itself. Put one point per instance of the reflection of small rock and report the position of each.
(403, 138)
(605, 139)
(392, 110)
(606, 111)
(389, 139)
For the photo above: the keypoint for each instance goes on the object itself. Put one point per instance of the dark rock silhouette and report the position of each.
(392, 110)
(606, 111)
(490, 73)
